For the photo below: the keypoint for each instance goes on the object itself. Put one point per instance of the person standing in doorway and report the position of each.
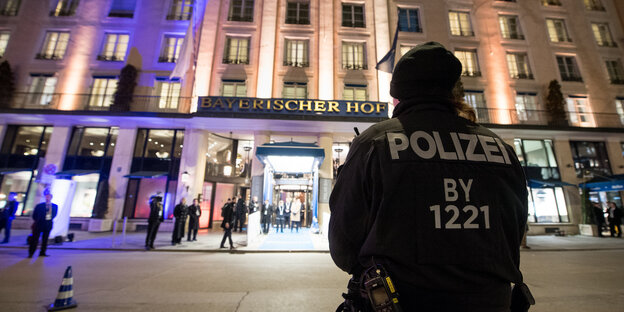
(599, 217)
(287, 212)
(241, 213)
(279, 216)
(615, 219)
(7, 215)
(153, 221)
(228, 216)
(43, 215)
(295, 215)
(179, 212)
(266, 214)
(194, 212)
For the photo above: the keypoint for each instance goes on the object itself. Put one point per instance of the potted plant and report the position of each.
(125, 89)
(7, 85)
(555, 105)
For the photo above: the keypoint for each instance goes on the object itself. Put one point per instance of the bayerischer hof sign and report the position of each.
(216, 105)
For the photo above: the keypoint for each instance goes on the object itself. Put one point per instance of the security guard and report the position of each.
(439, 200)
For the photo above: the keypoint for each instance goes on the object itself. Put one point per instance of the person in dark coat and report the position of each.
(254, 205)
(432, 196)
(598, 217)
(153, 221)
(227, 212)
(615, 219)
(7, 214)
(179, 213)
(280, 212)
(287, 211)
(241, 214)
(266, 213)
(194, 212)
(43, 215)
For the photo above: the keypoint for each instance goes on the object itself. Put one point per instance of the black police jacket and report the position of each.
(442, 201)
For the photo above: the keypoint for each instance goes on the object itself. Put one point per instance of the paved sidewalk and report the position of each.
(209, 241)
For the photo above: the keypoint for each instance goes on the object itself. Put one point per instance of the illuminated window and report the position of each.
(102, 92)
(41, 90)
(172, 44)
(557, 31)
(168, 92)
(590, 159)
(352, 15)
(65, 8)
(92, 142)
(551, 3)
(180, 10)
(354, 92)
(9, 7)
(616, 73)
(4, 41)
(294, 90)
(296, 53)
(122, 8)
(518, 64)
(619, 107)
(468, 59)
(241, 11)
(54, 46)
(510, 27)
(568, 68)
(353, 55)
(236, 51)
(409, 20)
(234, 88)
(114, 48)
(594, 5)
(460, 24)
(526, 106)
(477, 101)
(603, 35)
(579, 113)
(298, 12)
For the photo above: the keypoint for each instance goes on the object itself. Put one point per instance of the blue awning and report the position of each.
(146, 174)
(606, 186)
(291, 156)
(547, 184)
(13, 170)
(75, 172)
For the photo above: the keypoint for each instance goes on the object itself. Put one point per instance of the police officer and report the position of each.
(435, 198)
(154, 220)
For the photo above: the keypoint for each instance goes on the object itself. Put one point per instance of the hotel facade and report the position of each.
(261, 98)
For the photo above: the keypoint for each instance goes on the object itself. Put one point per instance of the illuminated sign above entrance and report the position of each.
(284, 107)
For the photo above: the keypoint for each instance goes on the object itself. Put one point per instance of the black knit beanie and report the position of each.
(427, 69)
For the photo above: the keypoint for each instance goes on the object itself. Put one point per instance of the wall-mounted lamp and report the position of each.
(185, 178)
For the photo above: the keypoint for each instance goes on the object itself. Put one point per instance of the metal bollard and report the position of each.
(114, 232)
(123, 235)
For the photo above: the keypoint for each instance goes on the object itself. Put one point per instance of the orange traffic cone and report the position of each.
(65, 298)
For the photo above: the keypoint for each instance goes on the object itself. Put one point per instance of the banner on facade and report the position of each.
(284, 107)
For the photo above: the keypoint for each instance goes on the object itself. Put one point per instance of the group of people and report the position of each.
(181, 214)
(287, 214)
(613, 220)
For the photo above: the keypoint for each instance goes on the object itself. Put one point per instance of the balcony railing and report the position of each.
(147, 103)
(8, 12)
(164, 59)
(296, 64)
(46, 56)
(474, 73)
(355, 66)
(98, 102)
(522, 76)
(109, 58)
(178, 17)
(235, 61)
(572, 78)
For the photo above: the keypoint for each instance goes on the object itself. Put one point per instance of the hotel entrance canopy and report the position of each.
(291, 157)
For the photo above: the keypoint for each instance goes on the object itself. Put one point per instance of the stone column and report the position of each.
(563, 154)
(62, 191)
(326, 48)
(614, 151)
(326, 177)
(2, 132)
(122, 161)
(193, 162)
(267, 49)
(257, 167)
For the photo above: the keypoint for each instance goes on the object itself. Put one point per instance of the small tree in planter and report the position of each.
(125, 89)
(555, 105)
(7, 85)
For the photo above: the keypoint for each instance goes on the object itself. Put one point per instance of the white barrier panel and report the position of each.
(253, 227)
(62, 194)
